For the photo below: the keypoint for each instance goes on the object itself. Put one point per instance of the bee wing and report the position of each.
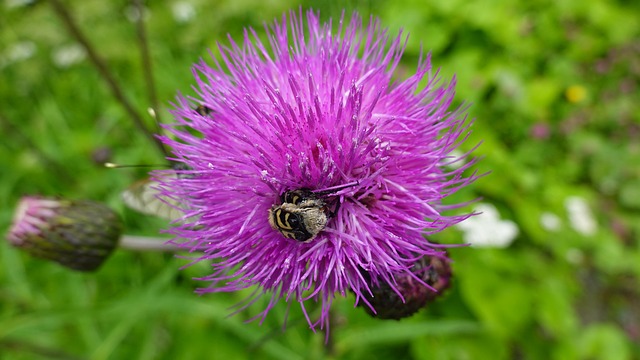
(144, 197)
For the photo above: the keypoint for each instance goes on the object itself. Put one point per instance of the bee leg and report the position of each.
(335, 211)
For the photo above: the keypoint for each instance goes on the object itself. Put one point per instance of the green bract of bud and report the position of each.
(79, 234)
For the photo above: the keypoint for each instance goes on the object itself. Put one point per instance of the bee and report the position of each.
(302, 214)
(203, 110)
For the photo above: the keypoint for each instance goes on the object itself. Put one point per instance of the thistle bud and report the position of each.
(77, 234)
(388, 304)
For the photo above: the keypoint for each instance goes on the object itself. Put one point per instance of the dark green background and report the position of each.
(550, 295)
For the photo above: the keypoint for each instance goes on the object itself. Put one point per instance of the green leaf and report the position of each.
(460, 347)
(630, 194)
(402, 331)
(499, 298)
(604, 341)
(555, 308)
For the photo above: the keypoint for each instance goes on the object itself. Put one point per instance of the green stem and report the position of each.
(103, 70)
(145, 243)
(147, 69)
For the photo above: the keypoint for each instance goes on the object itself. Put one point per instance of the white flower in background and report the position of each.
(68, 55)
(18, 3)
(21, 50)
(183, 11)
(133, 14)
(580, 216)
(455, 159)
(487, 229)
(550, 221)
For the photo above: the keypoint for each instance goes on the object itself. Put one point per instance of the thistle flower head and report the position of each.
(314, 161)
(77, 234)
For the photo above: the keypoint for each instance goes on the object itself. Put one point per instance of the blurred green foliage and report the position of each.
(554, 91)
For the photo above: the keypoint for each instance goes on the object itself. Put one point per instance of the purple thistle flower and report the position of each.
(315, 113)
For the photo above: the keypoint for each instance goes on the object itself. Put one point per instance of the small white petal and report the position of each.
(183, 11)
(18, 51)
(487, 229)
(580, 216)
(550, 222)
(21, 51)
(489, 212)
(454, 160)
(18, 3)
(132, 14)
(68, 55)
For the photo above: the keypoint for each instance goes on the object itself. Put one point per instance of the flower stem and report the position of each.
(145, 55)
(73, 28)
(145, 243)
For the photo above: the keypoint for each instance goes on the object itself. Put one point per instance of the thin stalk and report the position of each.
(147, 68)
(104, 72)
(145, 243)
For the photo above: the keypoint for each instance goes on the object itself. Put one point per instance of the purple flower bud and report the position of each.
(314, 161)
(408, 292)
(77, 234)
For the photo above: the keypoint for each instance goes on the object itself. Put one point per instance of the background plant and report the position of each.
(554, 88)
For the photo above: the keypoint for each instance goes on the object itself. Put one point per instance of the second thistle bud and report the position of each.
(77, 234)
(388, 304)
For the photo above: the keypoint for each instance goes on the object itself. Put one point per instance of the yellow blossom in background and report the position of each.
(575, 93)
